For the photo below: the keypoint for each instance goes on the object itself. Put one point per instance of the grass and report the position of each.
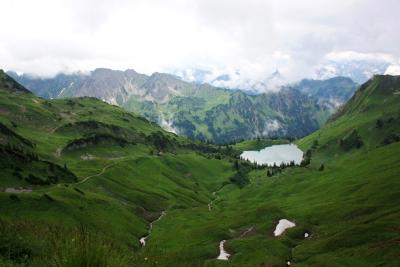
(350, 208)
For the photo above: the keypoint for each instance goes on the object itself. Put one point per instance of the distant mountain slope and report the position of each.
(8, 83)
(334, 91)
(198, 111)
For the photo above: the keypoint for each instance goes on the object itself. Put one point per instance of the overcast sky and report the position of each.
(256, 37)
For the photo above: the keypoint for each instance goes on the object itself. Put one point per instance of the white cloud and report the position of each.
(254, 37)
(393, 70)
(354, 55)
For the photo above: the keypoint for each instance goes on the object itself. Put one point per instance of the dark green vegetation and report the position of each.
(350, 207)
(9, 84)
(258, 144)
(201, 111)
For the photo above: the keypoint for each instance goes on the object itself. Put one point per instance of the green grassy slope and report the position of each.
(350, 208)
(81, 161)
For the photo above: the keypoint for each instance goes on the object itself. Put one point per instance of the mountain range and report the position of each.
(359, 68)
(201, 111)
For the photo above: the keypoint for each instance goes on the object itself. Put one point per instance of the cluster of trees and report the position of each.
(10, 133)
(240, 140)
(381, 122)
(226, 151)
(159, 141)
(12, 157)
(306, 158)
(95, 139)
(275, 169)
(352, 140)
(241, 177)
(14, 153)
(213, 151)
(91, 127)
(391, 138)
(32, 179)
(72, 103)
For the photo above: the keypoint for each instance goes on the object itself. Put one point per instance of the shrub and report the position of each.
(49, 198)
(391, 138)
(306, 158)
(321, 167)
(159, 141)
(32, 179)
(14, 197)
(79, 191)
(379, 123)
(240, 178)
(315, 144)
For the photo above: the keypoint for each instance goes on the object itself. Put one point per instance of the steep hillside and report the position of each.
(372, 115)
(71, 162)
(197, 111)
(9, 84)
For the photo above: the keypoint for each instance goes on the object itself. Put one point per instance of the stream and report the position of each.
(143, 239)
(210, 204)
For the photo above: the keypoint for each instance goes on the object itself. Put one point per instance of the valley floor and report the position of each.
(345, 224)
(349, 221)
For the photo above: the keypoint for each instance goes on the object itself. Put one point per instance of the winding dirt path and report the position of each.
(246, 232)
(95, 175)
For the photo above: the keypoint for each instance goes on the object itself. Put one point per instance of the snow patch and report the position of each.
(282, 226)
(223, 255)
(61, 92)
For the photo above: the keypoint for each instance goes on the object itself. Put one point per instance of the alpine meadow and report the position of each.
(253, 133)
